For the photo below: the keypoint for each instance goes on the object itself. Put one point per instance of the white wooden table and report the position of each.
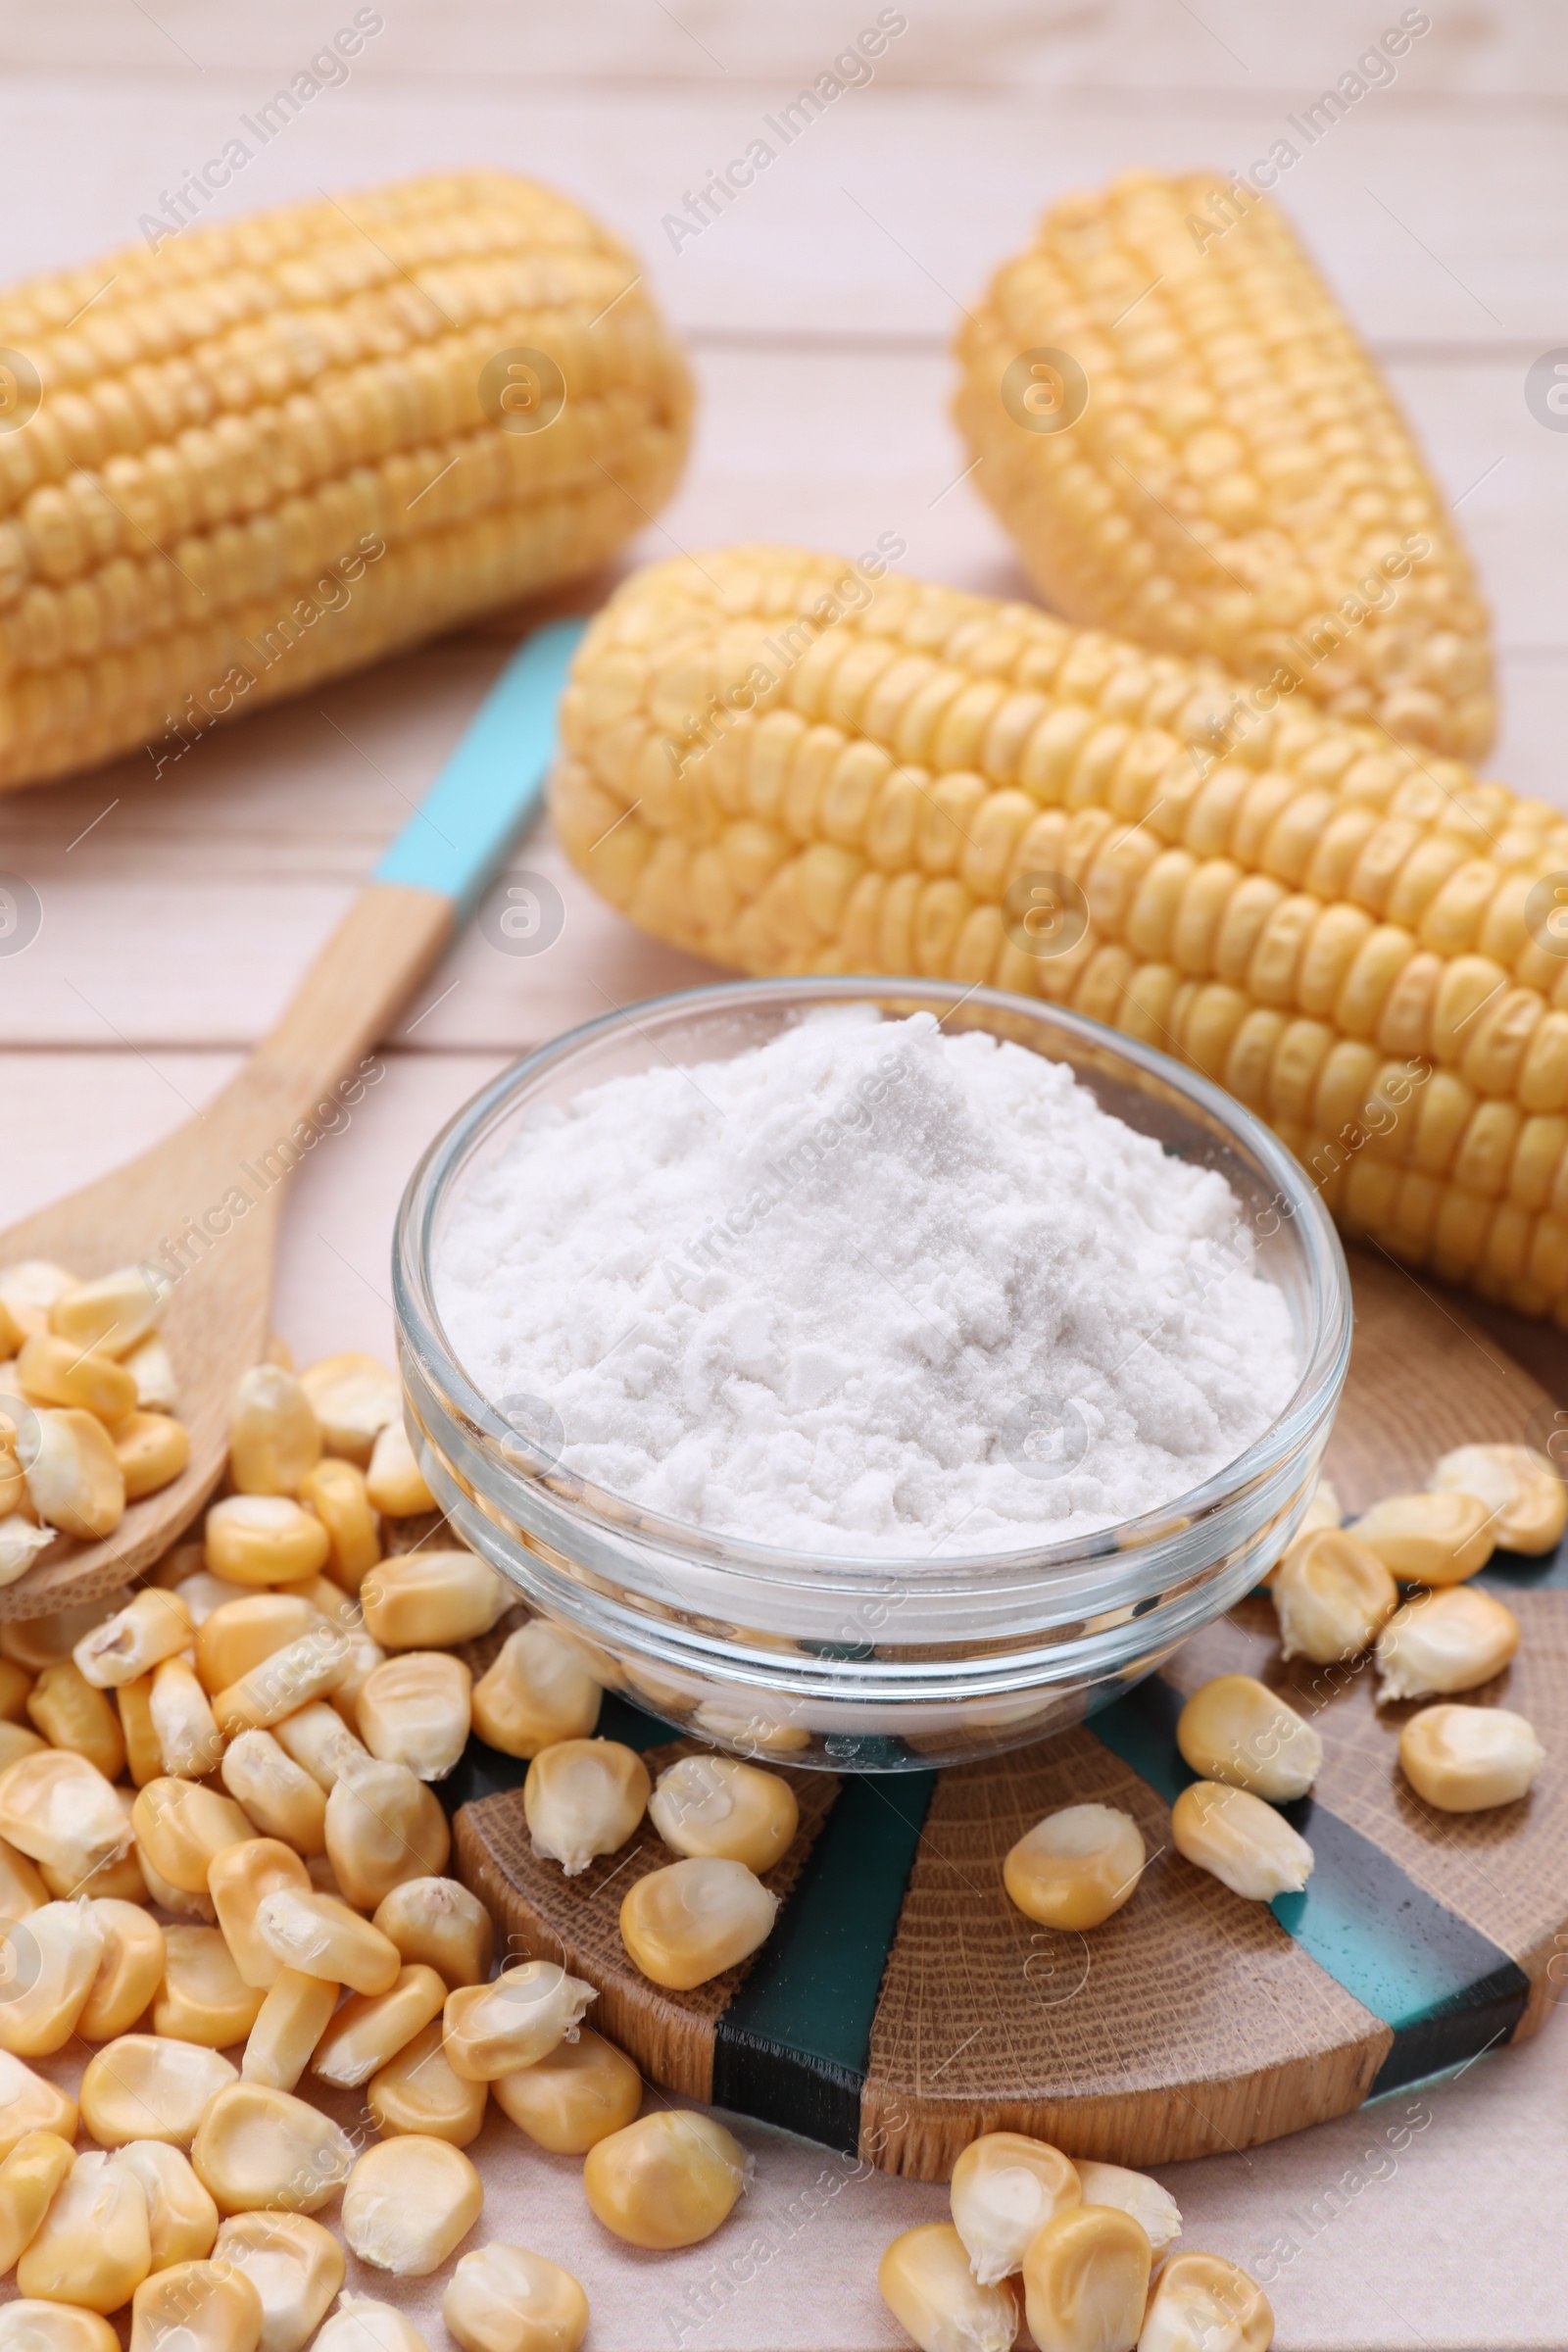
(177, 913)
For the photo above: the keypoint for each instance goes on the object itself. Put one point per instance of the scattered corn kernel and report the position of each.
(152, 1368)
(263, 1539)
(1331, 1594)
(362, 1658)
(130, 1969)
(414, 1710)
(55, 1371)
(668, 2180)
(278, 1795)
(122, 1880)
(716, 1805)
(1240, 1840)
(154, 1626)
(69, 1713)
(144, 1747)
(58, 1809)
(295, 2266)
(584, 1797)
(1153, 2208)
(273, 1441)
(361, 2323)
(182, 2217)
(238, 1636)
(28, 2178)
(289, 2023)
(48, 1962)
(1076, 1866)
(1527, 1500)
(181, 1827)
(22, 1890)
(926, 2282)
(1236, 1730)
(180, 1900)
(692, 1919)
(394, 1482)
(438, 1922)
(1453, 1638)
(284, 1683)
(335, 1491)
(416, 2091)
(257, 2148)
(74, 1480)
(115, 1312)
(238, 1880)
(1086, 2280)
(575, 2096)
(196, 2307)
(203, 1997)
(200, 1591)
(189, 1742)
(152, 1450)
(1430, 1538)
(353, 1397)
(502, 2299)
(370, 2029)
(29, 2103)
(22, 1543)
(322, 1744)
(93, 2246)
(1006, 2188)
(1465, 1759)
(518, 2017)
(536, 1691)
(382, 1826)
(320, 1937)
(432, 1600)
(408, 2203)
(30, 1287)
(1201, 2302)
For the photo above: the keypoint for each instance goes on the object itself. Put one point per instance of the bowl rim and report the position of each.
(624, 1523)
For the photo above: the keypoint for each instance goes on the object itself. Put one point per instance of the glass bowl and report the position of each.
(820, 1658)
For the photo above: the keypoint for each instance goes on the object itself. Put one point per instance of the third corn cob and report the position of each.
(268, 452)
(795, 764)
(1237, 466)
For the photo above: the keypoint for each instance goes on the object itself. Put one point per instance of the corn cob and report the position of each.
(790, 764)
(1239, 467)
(262, 455)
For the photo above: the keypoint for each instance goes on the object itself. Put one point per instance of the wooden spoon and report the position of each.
(202, 1204)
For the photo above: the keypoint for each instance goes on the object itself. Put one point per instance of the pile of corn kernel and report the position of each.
(280, 1697)
(1336, 1595)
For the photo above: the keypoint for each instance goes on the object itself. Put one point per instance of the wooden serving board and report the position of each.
(903, 2004)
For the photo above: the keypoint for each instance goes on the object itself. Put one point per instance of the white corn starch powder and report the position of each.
(869, 1289)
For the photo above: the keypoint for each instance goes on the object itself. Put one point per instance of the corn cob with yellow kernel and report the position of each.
(1191, 446)
(269, 452)
(793, 764)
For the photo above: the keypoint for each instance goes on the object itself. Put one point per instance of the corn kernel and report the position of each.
(30, 1287)
(182, 2217)
(361, 2323)
(58, 1809)
(416, 2091)
(502, 2299)
(690, 1921)
(28, 2178)
(363, 1658)
(130, 1969)
(1086, 2280)
(201, 1591)
(152, 1368)
(1238, 1731)
(353, 1397)
(38, 2326)
(122, 1880)
(414, 1710)
(154, 1626)
(190, 1744)
(278, 1795)
(238, 1880)
(241, 1634)
(715, 1805)
(926, 2282)
(74, 1480)
(34, 1643)
(320, 1937)
(290, 1678)
(289, 2023)
(273, 1441)
(22, 1543)
(203, 1997)
(668, 2180)
(370, 2029)
(295, 2266)
(1153, 2208)
(335, 1491)
(263, 1539)
(22, 1890)
(55, 1371)
(519, 2016)
(28, 2103)
(181, 1827)
(432, 1600)
(394, 1482)
(93, 2246)
(47, 1965)
(439, 1923)
(1430, 1538)
(15, 1741)
(1445, 1641)
(584, 1797)
(179, 1900)
(69, 1713)
(1076, 1866)
(1527, 1499)
(536, 1691)
(1465, 1759)
(408, 2203)
(257, 2148)
(1240, 1840)
(1330, 1596)
(1199, 2302)
(196, 2307)
(113, 1313)
(382, 1826)
(575, 2096)
(320, 1741)
(152, 1450)
(1006, 2188)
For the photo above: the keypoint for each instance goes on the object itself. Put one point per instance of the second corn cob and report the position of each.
(791, 764)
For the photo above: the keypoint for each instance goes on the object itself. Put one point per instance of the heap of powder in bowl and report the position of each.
(867, 1288)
